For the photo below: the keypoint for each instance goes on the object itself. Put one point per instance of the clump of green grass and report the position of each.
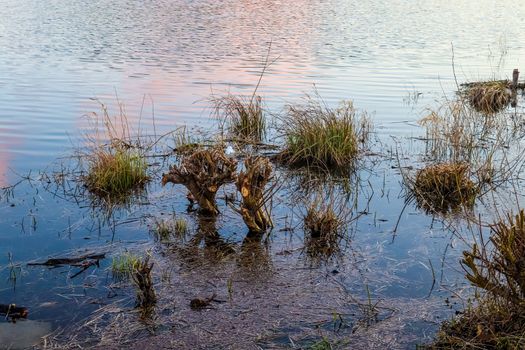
(489, 97)
(498, 270)
(243, 116)
(115, 171)
(321, 137)
(122, 266)
(444, 187)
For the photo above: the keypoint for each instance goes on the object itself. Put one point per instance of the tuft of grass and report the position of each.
(323, 227)
(115, 171)
(321, 137)
(444, 187)
(116, 158)
(243, 116)
(176, 226)
(498, 270)
(122, 266)
(488, 97)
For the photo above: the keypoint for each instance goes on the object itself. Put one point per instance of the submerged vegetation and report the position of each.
(318, 136)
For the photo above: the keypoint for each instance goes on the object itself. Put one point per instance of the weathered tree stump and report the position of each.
(251, 183)
(203, 172)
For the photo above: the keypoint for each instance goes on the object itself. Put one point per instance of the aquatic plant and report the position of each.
(243, 116)
(251, 184)
(203, 172)
(323, 227)
(497, 268)
(443, 187)
(502, 273)
(321, 137)
(489, 97)
(123, 265)
(116, 158)
(165, 228)
(115, 171)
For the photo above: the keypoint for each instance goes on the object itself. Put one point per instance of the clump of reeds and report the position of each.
(203, 172)
(143, 280)
(116, 159)
(498, 269)
(321, 137)
(243, 116)
(122, 266)
(489, 97)
(115, 171)
(251, 184)
(443, 187)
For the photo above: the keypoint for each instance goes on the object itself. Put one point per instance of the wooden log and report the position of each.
(13, 311)
(69, 261)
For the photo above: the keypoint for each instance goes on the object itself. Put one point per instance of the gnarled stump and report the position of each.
(203, 172)
(251, 183)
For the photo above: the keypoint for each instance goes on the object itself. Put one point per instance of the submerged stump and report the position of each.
(251, 184)
(142, 278)
(203, 172)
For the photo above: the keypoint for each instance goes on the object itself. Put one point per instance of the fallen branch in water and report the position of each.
(13, 312)
(77, 261)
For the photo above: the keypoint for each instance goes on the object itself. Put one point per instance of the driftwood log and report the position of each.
(251, 184)
(75, 261)
(203, 172)
(12, 311)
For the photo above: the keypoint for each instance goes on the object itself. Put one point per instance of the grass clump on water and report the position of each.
(115, 171)
(243, 116)
(323, 225)
(122, 266)
(321, 137)
(444, 187)
(497, 268)
(489, 97)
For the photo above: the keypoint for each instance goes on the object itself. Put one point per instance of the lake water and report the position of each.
(166, 58)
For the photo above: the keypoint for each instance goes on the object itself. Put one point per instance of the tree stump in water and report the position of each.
(203, 172)
(251, 183)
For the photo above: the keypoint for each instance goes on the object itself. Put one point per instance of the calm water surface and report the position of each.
(393, 60)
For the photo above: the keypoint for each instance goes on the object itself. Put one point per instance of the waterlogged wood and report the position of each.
(203, 173)
(251, 184)
(75, 261)
(13, 311)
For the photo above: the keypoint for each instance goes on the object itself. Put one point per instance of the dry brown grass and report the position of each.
(444, 187)
(488, 97)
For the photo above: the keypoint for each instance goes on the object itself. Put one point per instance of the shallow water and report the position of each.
(166, 58)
